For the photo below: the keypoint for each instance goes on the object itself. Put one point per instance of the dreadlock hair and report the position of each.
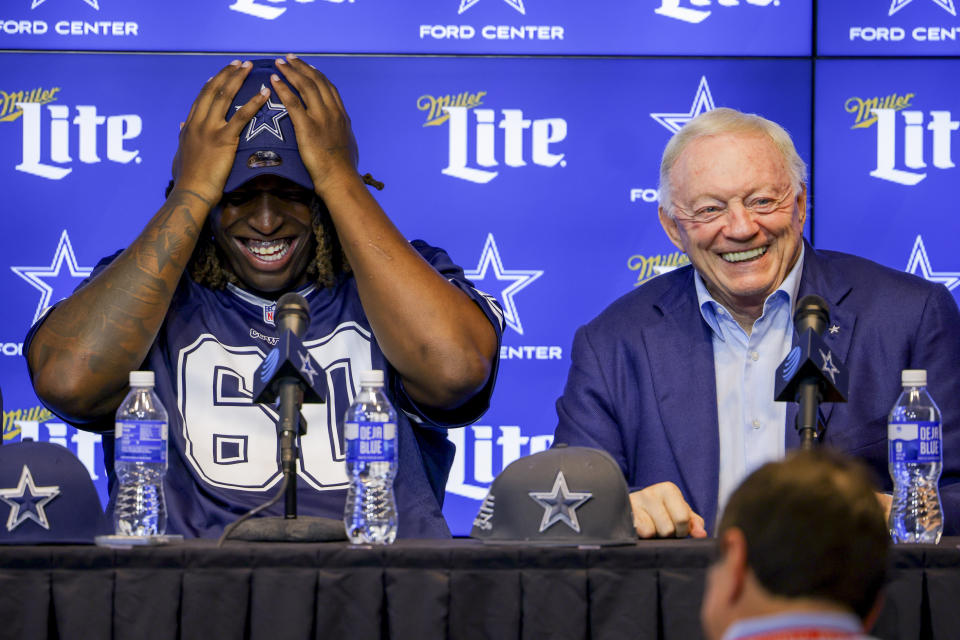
(208, 265)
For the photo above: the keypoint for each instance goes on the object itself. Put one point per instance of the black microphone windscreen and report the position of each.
(812, 312)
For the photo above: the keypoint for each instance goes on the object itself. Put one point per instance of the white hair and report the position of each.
(723, 120)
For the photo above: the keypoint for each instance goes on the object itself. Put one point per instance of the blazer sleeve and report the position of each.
(587, 415)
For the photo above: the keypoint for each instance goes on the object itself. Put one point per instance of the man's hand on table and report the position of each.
(659, 511)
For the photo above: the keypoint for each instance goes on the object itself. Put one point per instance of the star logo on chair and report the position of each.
(560, 504)
(946, 5)
(27, 501)
(270, 123)
(702, 102)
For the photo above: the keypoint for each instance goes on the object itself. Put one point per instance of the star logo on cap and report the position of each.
(27, 501)
(254, 129)
(560, 504)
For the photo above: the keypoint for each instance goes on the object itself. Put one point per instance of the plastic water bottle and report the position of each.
(140, 460)
(370, 432)
(915, 461)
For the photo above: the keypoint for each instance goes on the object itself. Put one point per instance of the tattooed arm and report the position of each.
(81, 355)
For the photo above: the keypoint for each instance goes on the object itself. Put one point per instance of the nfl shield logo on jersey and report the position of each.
(268, 311)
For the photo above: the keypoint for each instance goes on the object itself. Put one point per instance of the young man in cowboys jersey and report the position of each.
(266, 199)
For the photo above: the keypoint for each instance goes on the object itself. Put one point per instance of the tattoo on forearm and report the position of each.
(109, 325)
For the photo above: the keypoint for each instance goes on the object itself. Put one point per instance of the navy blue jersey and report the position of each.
(224, 454)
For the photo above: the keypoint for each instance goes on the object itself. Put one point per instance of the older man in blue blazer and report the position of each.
(676, 378)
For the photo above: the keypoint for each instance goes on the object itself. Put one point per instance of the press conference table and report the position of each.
(415, 589)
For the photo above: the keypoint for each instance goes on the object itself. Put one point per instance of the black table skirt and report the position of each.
(415, 589)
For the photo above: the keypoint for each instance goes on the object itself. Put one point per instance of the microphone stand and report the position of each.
(808, 395)
(290, 425)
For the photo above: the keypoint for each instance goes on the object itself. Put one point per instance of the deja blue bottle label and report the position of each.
(914, 441)
(141, 441)
(371, 441)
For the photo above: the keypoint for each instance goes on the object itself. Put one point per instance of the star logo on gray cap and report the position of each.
(560, 504)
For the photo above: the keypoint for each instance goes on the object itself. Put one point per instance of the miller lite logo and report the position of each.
(696, 11)
(481, 140)
(72, 133)
(909, 140)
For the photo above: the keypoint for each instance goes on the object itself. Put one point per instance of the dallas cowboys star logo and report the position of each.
(702, 102)
(27, 501)
(520, 279)
(834, 329)
(254, 129)
(516, 4)
(560, 504)
(828, 367)
(53, 286)
(946, 5)
(919, 264)
(93, 3)
(306, 366)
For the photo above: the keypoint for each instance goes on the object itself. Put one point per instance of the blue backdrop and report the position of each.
(557, 229)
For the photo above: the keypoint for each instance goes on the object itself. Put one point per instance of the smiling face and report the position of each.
(742, 255)
(265, 229)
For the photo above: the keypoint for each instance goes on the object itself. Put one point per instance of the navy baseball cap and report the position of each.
(47, 497)
(268, 144)
(561, 496)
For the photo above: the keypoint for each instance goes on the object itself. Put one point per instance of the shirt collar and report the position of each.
(256, 300)
(709, 306)
(843, 624)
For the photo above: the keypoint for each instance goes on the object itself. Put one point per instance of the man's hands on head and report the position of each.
(659, 511)
(324, 135)
(210, 134)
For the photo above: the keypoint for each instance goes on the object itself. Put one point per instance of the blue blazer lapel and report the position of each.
(685, 388)
(818, 279)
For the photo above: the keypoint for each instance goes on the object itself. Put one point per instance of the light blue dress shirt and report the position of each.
(751, 423)
(803, 625)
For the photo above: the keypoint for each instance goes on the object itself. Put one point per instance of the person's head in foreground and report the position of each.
(802, 542)
(733, 197)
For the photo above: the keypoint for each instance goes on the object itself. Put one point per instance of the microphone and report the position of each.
(289, 358)
(811, 373)
(290, 374)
